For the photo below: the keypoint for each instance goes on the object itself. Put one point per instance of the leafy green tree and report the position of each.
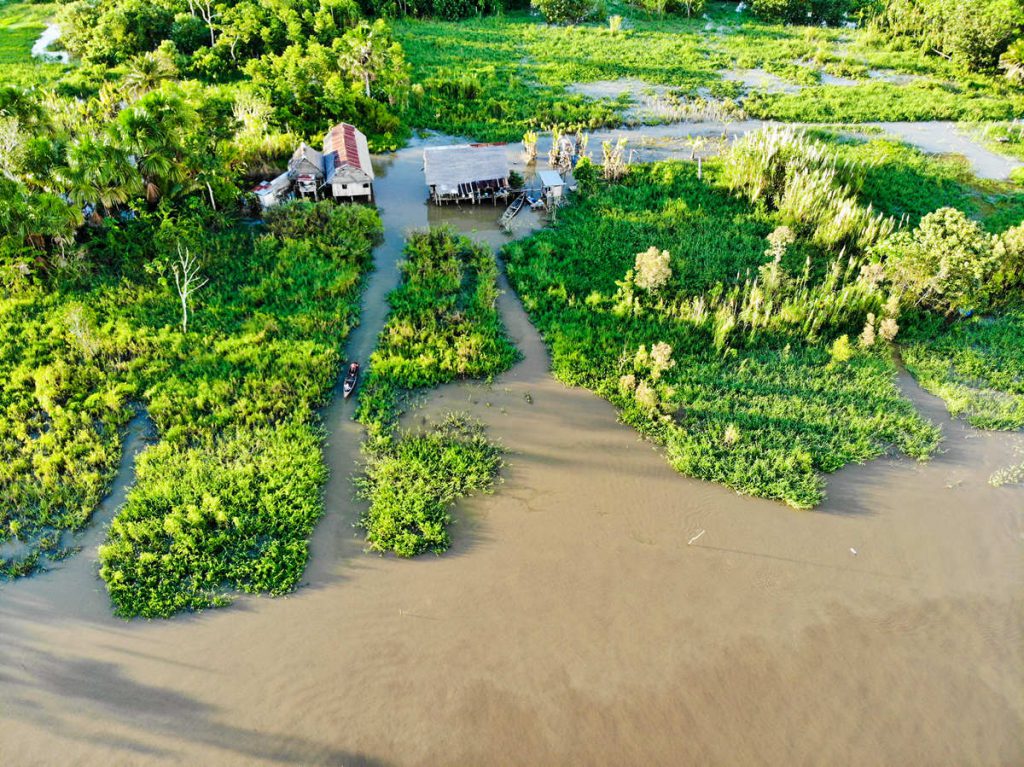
(973, 34)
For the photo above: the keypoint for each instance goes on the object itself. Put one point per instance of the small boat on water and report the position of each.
(513, 209)
(350, 380)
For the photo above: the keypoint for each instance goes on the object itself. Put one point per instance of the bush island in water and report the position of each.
(443, 326)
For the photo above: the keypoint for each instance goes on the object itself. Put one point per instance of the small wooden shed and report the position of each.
(552, 184)
(346, 163)
(273, 192)
(306, 169)
(466, 173)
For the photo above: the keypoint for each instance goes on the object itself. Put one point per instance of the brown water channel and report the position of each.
(598, 609)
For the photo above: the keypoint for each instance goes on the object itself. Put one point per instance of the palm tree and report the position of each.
(99, 174)
(148, 70)
(153, 130)
(359, 55)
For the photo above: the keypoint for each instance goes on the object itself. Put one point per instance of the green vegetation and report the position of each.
(443, 326)
(744, 320)
(233, 399)
(750, 383)
(975, 365)
(21, 23)
(494, 78)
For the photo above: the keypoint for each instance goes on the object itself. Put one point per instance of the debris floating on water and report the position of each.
(853, 551)
(698, 535)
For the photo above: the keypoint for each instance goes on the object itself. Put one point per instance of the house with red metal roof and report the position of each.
(347, 170)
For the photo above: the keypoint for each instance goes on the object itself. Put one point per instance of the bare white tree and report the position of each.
(205, 10)
(187, 281)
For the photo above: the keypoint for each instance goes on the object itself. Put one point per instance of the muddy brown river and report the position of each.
(598, 609)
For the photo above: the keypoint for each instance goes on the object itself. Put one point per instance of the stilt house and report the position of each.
(346, 164)
(466, 173)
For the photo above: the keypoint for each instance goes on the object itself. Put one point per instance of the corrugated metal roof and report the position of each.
(345, 145)
(550, 178)
(446, 167)
(308, 153)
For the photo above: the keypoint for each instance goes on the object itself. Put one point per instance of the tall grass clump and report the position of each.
(805, 181)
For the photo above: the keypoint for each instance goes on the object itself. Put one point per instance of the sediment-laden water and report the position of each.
(598, 609)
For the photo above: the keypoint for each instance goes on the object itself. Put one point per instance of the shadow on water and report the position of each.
(105, 690)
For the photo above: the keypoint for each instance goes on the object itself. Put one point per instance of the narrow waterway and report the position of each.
(598, 609)
(41, 47)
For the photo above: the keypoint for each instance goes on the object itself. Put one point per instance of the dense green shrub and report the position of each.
(232, 400)
(233, 514)
(412, 483)
(945, 264)
(443, 323)
(661, 7)
(565, 11)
